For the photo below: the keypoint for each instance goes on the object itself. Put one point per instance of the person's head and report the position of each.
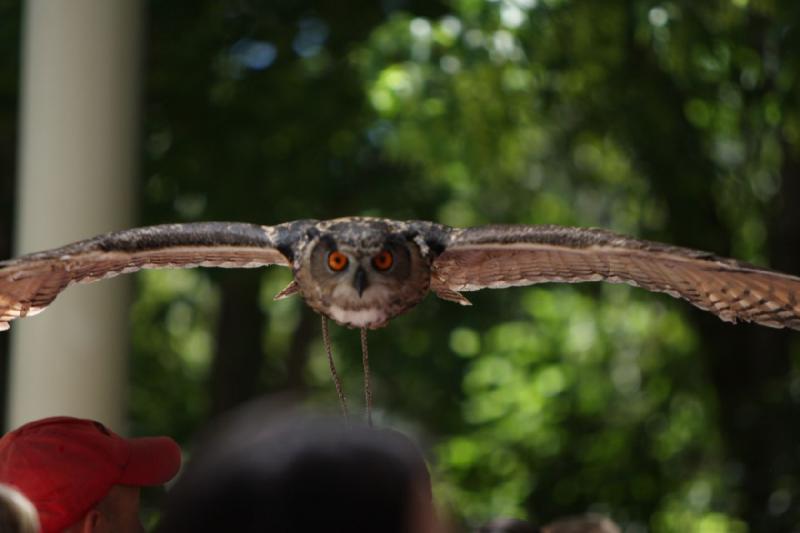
(17, 513)
(297, 474)
(82, 477)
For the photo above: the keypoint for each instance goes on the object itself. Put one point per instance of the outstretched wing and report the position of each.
(505, 256)
(28, 284)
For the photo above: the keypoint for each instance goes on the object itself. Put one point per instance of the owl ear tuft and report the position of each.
(451, 296)
(290, 289)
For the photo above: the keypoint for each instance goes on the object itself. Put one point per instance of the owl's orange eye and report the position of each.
(383, 261)
(337, 261)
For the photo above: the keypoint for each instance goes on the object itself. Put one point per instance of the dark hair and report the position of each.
(299, 474)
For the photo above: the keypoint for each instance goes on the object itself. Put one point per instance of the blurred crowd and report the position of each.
(259, 469)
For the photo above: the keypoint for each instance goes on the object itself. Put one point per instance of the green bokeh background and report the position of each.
(677, 121)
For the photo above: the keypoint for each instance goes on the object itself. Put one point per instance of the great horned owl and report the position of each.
(362, 272)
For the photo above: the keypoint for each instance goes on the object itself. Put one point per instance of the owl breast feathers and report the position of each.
(362, 272)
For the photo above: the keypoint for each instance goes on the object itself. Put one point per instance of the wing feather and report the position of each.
(30, 283)
(505, 256)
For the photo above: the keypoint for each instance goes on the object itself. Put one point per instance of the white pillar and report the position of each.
(78, 162)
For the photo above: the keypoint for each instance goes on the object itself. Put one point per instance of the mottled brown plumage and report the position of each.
(362, 272)
(428, 256)
(504, 256)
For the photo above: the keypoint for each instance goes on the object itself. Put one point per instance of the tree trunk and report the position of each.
(298, 351)
(239, 356)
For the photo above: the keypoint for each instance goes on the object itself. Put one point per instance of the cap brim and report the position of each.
(153, 461)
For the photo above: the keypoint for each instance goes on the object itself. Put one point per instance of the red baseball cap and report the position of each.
(65, 465)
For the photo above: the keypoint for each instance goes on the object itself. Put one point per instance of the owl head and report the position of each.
(362, 272)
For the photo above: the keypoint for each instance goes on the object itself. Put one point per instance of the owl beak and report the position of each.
(360, 281)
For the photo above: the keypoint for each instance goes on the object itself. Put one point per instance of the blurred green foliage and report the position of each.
(675, 120)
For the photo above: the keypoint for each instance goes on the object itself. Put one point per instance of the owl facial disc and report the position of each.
(362, 272)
